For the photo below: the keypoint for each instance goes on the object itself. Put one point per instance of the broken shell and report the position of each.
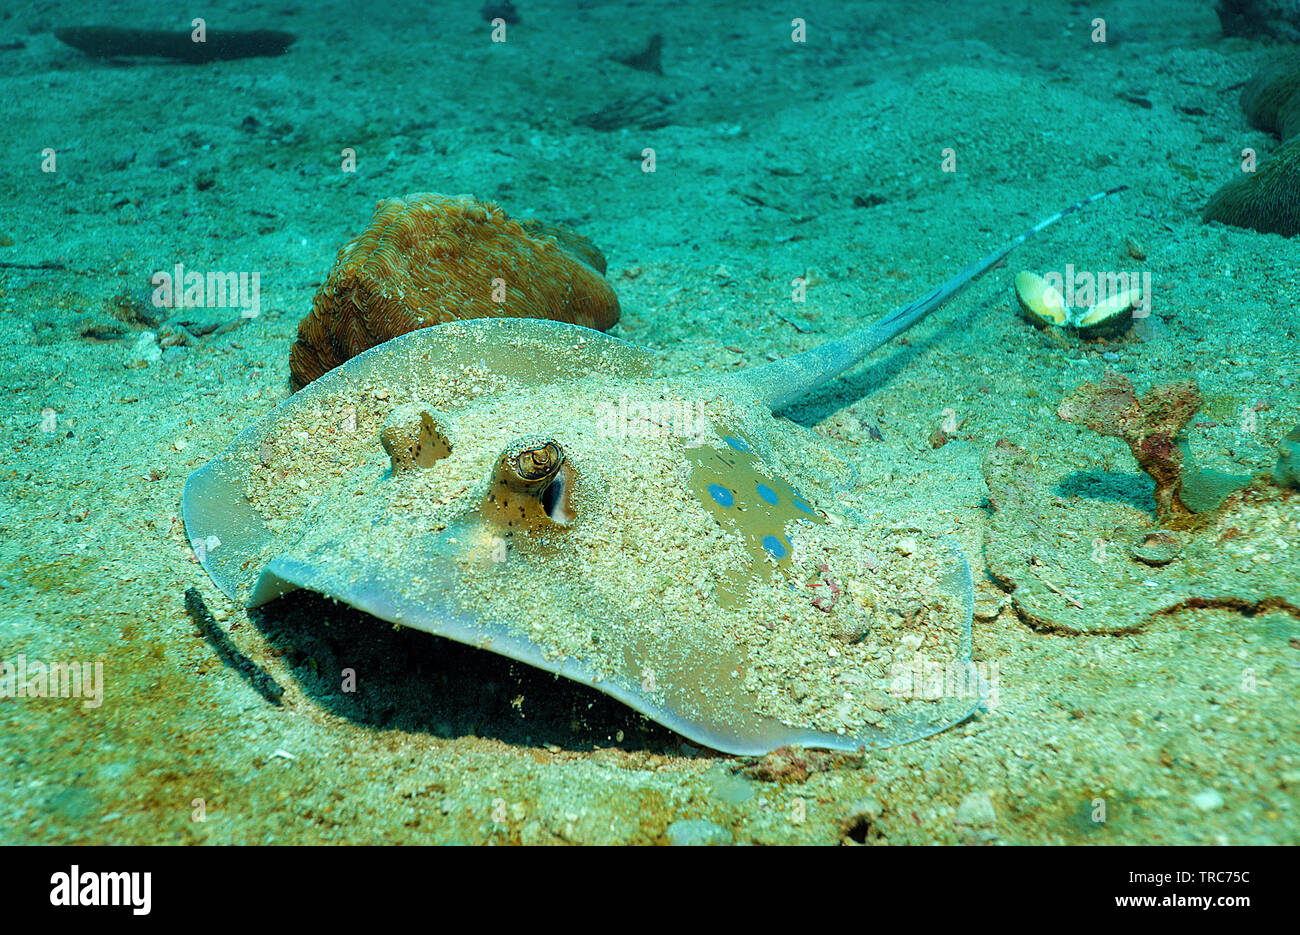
(1156, 547)
(1108, 317)
(1040, 302)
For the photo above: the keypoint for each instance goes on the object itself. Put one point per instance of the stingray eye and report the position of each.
(413, 438)
(538, 462)
(531, 486)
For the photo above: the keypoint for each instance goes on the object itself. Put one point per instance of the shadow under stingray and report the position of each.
(1134, 490)
(413, 681)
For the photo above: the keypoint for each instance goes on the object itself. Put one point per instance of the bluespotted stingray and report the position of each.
(539, 490)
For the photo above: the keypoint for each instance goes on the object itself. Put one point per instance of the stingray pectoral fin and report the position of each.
(425, 582)
(692, 694)
(527, 350)
(442, 582)
(226, 534)
(933, 695)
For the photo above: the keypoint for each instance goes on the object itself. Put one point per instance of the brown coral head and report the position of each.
(1271, 98)
(426, 259)
(532, 485)
(1266, 200)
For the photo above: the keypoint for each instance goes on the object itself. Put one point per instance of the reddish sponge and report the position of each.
(1150, 425)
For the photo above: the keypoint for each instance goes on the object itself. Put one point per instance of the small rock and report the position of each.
(988, 608)
(850, 629)
(1208, 800)
(784, 764)
(1156, 547)
(500, 9)
(976, 811)
(135, 308)
(172, 334)
(145, 351)
(697, 832)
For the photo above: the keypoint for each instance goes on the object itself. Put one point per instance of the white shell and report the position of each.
(1108, 310)
(1042, 303)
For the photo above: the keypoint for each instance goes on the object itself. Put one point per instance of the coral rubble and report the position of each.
(1150, 425)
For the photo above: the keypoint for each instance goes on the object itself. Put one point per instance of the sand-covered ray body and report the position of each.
(538, 489)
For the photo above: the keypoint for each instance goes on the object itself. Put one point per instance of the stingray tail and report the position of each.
(785, 381)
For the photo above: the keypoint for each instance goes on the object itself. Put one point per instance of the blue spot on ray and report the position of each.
(721, 495)
(768, 494)
(775, 546)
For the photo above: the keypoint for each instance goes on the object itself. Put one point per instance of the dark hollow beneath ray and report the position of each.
(117, 42)
(365, 669)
